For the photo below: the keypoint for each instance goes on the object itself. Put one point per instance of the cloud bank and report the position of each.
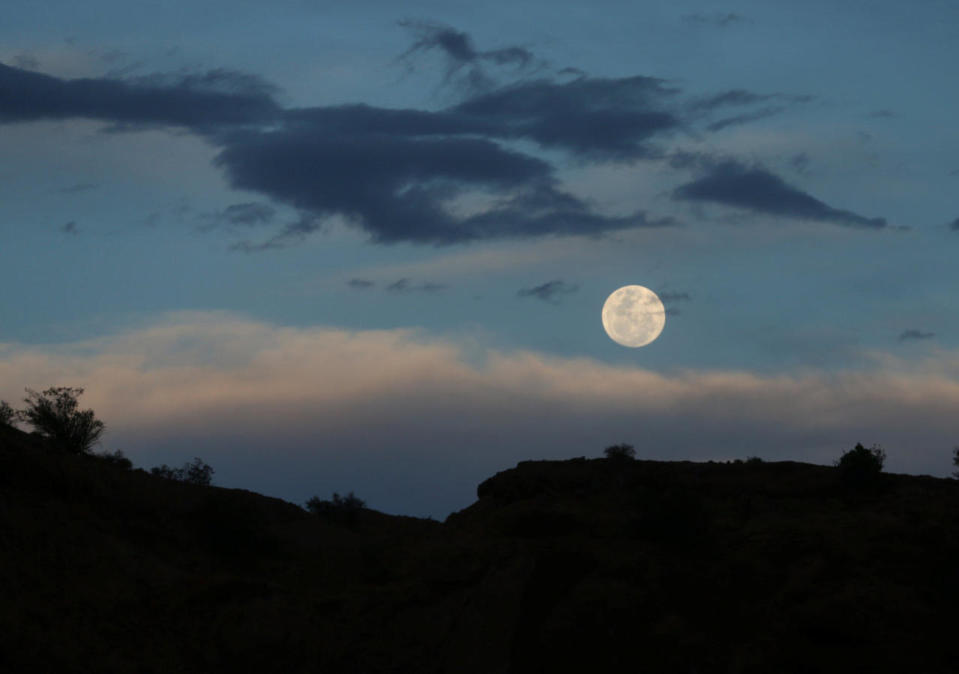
(401, 175)
(413, 424)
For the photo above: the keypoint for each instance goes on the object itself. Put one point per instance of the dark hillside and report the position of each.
(559, 566)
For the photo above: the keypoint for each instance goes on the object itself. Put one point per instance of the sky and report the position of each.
(364, 247)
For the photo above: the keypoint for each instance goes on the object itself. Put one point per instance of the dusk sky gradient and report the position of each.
(332, 248)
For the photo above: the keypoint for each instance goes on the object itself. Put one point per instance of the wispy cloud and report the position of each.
(913, 334)
(551, 291)
(246, 214)
(79, 187)
(405, 285)
(462, 56)
(720, 19)
(752, 187)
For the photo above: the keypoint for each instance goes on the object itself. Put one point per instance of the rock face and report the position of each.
(581, 565)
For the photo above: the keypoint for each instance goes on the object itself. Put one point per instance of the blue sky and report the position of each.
(332, 248)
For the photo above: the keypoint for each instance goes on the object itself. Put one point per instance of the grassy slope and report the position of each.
(559, 566)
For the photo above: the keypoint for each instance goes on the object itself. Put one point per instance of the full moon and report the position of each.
(633, 316)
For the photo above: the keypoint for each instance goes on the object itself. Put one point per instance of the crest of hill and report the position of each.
(558, 566)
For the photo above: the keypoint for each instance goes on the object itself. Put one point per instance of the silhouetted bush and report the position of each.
(861, 467)
(166, 472)
(754, 460)
(955, 461)
(117, 458)
(198, 472)
(54, 415)
(620, 452)
(7, 414)
(194, 472)
(340, 507)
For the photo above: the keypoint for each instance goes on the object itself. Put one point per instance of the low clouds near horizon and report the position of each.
(342, 405)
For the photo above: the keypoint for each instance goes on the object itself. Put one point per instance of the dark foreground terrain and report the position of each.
(584, 565)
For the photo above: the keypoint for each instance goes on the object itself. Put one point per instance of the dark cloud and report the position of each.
(571, 72)
(461, 54)
(913, 334)
(954, 225)
(395, 186)
(551, 291)
(397, 174)
(882, 113)
(70, 228)
(731, 97)
(596, 118)
(742, 98)
(249, 213)
(364, 120)
(732, 183)
(744, 118)
(291, 233)
(246, 214)
(405, 285)
(721, 19)
(393, 173)
(670, 297)
(400, 286)
(216, 98)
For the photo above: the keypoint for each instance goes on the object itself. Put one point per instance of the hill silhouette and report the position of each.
(559, 566)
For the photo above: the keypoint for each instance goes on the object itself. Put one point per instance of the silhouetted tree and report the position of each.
(7, 414)
(198, 472)
(167, 472)
(193, 472)
(620, 452)
(860, 466)
(955, 461)
(54, 415)
(340, 507)
(116, 458)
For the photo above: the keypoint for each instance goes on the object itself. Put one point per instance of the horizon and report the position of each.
(350, 249)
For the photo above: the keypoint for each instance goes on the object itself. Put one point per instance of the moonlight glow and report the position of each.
(633, 316)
